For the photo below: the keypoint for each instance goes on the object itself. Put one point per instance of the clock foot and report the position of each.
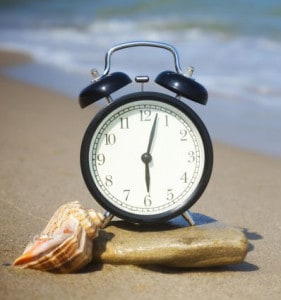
(187, 216)
(107, 218)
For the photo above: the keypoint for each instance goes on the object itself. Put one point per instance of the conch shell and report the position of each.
(66, 243)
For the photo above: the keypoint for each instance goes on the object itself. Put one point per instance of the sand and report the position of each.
(40, 136)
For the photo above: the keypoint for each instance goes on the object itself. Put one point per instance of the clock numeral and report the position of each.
(170, 194)
(100, 159)
(126, 194)
(145, 115)
(184, 177)
(124, 123)
(191, 156)
(147, 200)
(110, 139)
(183, 133)
(108, 180)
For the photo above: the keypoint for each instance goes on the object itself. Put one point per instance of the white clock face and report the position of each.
(146, 157)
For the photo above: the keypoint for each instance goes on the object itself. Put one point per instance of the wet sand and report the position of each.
(40, 137)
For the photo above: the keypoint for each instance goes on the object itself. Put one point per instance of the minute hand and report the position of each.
(152, 134)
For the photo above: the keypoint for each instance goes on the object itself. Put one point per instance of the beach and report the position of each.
(41, 133)
(238, 62)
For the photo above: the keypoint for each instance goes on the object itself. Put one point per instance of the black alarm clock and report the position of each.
(146, 157)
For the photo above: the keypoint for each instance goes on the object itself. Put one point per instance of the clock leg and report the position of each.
(107, 218)
(187, 216)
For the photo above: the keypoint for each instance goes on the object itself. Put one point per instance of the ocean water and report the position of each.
(234, 47)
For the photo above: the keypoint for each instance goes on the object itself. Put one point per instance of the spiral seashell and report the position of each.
(66, 243)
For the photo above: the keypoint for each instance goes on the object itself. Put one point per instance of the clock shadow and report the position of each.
(178, 222)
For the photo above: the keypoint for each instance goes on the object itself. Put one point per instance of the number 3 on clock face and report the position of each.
(147, 157)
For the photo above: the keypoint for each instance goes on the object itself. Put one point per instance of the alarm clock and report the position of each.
(146, 157)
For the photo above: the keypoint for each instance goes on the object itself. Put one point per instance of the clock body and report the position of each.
(146, 157)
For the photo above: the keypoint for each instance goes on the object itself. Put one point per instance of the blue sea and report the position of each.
(234, 46)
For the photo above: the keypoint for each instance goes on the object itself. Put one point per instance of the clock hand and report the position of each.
(146, 157)
(152, 134)
(147, 176)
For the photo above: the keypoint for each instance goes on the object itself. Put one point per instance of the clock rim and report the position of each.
(136, 97)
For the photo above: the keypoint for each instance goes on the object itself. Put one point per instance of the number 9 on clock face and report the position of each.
(146, 157)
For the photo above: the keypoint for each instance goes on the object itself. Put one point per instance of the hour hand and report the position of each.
(147, 158)
(147, 177)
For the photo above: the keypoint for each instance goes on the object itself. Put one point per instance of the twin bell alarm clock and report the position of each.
(146, 157)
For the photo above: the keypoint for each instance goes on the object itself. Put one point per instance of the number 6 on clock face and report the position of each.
(147, 157)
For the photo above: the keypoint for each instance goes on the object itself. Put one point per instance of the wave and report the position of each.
(223, 61)
(235, 49)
